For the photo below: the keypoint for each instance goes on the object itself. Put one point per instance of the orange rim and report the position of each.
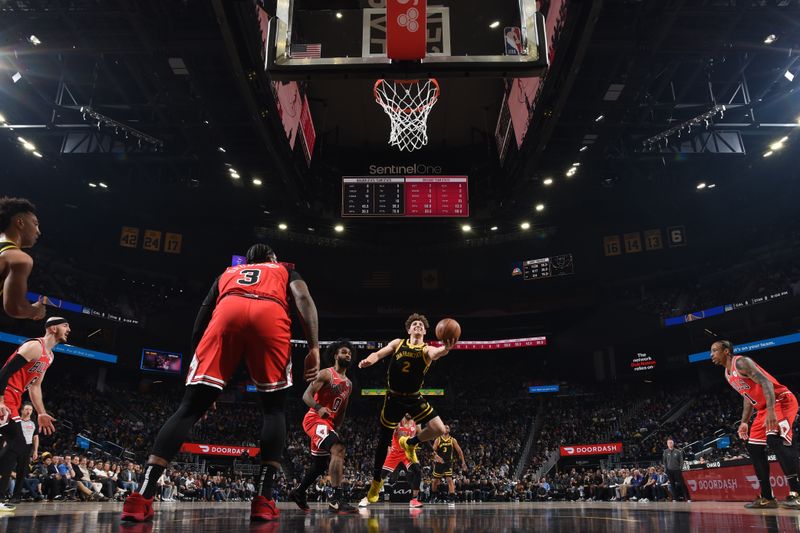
(407, 82)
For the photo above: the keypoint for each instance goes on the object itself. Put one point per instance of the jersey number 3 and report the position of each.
(249, 276)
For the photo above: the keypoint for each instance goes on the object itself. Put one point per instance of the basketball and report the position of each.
(447, 328)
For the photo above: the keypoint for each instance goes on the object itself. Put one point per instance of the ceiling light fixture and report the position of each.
(338, 228)
(540, 207)
(257, 181)
(767, 154)
(712, 185)
(103, 185)
(221, 149)
(92, 185)
(548, 181)
(495, 24)
(788, 75)
(37, 154)
(2, 119)
(599, 118)
(525, 225)
(466, 228)
(493, 228)
(776, 145)
(339, 14)
(34, 40)
(282, 226)
(701, 185)
(771, 38)
(583, 148)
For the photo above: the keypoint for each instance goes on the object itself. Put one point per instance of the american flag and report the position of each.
(306, 51)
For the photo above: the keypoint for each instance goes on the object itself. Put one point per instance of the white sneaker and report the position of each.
(364, 502)
(7, 508)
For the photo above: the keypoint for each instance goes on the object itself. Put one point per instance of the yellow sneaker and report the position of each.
(374, 491)
(410, 449)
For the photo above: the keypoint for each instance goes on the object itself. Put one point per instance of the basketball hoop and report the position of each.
(408, 104)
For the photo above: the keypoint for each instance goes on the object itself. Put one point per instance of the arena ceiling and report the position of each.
(181, 75)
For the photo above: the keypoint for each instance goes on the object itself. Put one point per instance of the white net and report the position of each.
(408, 104)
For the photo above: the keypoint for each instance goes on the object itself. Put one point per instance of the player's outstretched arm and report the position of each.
(437, 352)
(310, 322)
(15, 288)
(204, 314)
(374, 357)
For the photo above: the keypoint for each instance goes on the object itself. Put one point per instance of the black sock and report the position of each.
(317, 468)
(787, 457)
(758, 454)
(413, 441)
(152, 473)
(266, 478)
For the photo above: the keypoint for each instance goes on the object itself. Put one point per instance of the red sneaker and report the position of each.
(137, 508)
(263, 510)
(415, 504)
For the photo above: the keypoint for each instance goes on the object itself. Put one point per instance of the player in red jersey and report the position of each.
(19, 228)
(776, 409)
(327, 398)
(24, 371)
(397, 456)
(245, 315)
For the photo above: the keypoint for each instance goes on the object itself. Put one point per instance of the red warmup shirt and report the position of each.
(751, 389)
(402, 431)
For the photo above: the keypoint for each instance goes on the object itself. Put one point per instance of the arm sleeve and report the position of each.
(204, 314)
(12, 367)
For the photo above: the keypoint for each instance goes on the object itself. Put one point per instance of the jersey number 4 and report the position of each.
(249, 276)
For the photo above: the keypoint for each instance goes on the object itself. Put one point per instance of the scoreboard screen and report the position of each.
(405, 196)
(545, 267)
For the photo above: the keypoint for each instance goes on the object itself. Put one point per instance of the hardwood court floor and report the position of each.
(485, 517)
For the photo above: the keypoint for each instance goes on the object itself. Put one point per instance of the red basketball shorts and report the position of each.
(785, 410)
(395, 458)
(256, 330)
(318, 429)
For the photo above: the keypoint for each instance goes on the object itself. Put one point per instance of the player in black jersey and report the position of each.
(443, 448)
(410, 361)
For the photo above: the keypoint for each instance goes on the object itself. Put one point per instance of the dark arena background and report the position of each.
(604, 190)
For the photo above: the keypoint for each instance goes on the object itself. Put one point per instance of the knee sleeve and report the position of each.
(196, 401)
(758, 454)
(384, 440)
(273, 428)
(787, 455)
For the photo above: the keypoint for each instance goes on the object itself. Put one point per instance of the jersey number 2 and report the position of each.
(406, 367)
(249, 276)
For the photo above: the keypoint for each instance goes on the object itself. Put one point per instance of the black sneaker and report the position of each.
(15, 500)
(791, 502)
(300, 499)
(762, 503)
(339, 507)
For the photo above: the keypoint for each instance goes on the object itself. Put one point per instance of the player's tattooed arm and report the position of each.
(747, 410)
(746, 368)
